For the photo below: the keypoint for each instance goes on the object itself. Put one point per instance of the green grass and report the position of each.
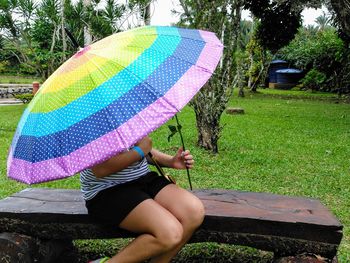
(281, 145)
(9, 79)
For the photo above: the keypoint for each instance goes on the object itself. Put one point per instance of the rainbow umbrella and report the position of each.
(107, 97)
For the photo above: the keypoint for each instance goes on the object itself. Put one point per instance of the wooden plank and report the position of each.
(266, 207)
(45, 205)
(265, 221)
(268, 214)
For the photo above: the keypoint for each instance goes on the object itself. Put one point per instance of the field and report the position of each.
(290, 143)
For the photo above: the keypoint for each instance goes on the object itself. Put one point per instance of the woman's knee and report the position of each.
(195, 213)
(170, 235)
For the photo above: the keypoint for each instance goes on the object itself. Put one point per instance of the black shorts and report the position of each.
(112, 205)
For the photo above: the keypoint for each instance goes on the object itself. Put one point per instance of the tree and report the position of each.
(278, 22)
(323, 51)
(16, 20)
(222, 17)
(322, 21)
(340, 10)
(34, 34)
(259, 59)
(341, 16)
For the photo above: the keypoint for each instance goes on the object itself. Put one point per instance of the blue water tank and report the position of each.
(275, 65)
(289, 76)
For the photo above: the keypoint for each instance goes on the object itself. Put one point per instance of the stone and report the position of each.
(233, 111)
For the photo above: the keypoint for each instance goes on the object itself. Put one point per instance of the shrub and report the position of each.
(25, 98)
(3, 66)
(313, 80)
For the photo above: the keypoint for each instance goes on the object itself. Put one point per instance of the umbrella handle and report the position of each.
(71, 37)
(183, 148)
(159, 168)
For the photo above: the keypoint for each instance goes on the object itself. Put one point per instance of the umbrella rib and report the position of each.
(181, 59)
(143, 82)
(169, 55)
(108, 115)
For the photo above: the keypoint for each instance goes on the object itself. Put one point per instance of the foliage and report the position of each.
(313, 80)
(3, 65)
(34, 34)
(25, 98)
(103, 22)
(260, 59)
(278, 22)
(340, 10)
(323, 21)
(322, 50)
(141, 8)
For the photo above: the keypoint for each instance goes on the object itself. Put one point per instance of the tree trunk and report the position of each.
(208, 106)
(208, 132)
(147, 14)
(251, 62)
(64, 42)
(87, 30)
(221, 17)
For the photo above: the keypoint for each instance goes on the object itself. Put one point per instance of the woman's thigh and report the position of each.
(150, 217)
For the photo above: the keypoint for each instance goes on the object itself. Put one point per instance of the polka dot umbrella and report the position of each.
(107, 97)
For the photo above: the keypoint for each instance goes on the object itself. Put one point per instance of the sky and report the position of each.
(161, 13)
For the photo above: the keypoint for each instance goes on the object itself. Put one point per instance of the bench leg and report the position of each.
(25, 249)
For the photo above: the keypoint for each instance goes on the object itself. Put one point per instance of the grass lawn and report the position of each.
(10, 79)
(286, 143)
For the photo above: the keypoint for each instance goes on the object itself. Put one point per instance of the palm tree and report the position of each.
(323, 21)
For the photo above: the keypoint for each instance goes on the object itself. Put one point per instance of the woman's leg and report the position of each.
(159, 232)
(188, 210)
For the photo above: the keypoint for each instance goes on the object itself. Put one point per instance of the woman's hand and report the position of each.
(182, 160)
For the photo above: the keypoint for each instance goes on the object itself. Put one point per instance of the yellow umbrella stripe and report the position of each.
(70, 85)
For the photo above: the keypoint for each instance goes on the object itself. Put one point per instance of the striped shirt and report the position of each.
(91, 185)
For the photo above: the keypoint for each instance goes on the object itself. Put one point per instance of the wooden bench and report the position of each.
(35, 220)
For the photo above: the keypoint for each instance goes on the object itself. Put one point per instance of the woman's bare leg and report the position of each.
(188, 210)
(160, 232)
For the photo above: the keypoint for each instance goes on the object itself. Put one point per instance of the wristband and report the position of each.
(139, 151)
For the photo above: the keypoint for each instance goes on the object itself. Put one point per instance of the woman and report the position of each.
(122, 191)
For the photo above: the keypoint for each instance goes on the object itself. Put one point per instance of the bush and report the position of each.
(3, 66)
(323, 51)
(25, 98)
(313, 80)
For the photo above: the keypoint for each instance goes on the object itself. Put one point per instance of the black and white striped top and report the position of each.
(91, 185)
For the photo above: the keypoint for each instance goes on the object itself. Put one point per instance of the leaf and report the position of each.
(173, 131)
(172, 128)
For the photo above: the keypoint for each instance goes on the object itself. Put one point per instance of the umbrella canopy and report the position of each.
(107, 97)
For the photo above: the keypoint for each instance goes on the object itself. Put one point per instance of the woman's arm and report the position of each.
(122, 160)
(180, 160)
